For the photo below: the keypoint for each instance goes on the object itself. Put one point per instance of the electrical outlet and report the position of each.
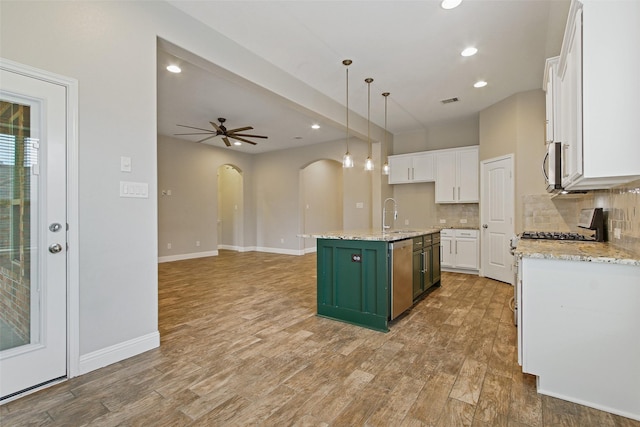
(617, 233)
(406, 222)
(463, 221)
(443, 221)
(168, 245)
(281, 240)
(359, 205)
(197, 242)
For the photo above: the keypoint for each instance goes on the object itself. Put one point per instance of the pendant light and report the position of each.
(347, 160)
(385, 166)
(368, 164)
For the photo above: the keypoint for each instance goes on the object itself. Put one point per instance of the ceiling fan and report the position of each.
(220, 129)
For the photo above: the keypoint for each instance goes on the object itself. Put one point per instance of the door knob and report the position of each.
(55, 248)
(485, 226)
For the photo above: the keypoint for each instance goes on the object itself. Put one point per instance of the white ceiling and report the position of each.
(410, 48)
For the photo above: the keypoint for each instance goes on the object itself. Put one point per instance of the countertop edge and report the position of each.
(371, 235)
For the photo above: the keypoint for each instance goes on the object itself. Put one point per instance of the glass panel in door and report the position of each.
(19, 307)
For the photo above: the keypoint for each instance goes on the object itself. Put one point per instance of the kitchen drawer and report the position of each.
(435, 239)
(447, 232)
(427, 240)
(418, 243)
(471, 234)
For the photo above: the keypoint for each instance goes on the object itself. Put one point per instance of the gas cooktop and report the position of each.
(557, 235)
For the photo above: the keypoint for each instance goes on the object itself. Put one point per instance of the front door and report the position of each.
(33, 229)
(496, 216)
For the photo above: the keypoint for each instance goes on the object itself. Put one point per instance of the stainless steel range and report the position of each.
(590, 219)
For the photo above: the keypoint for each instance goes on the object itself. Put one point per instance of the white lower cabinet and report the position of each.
(460, 249)
(578, 331)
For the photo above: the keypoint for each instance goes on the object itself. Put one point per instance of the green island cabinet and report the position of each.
(353, 281)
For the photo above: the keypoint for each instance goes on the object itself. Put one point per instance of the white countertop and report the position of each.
(575, 251)
(371, 234)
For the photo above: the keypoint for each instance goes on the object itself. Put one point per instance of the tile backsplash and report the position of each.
(454, 212)
(621, 207)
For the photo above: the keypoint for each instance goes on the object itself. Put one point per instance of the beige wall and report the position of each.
(190, 213)
(447, 134)
(322, 199)
(515, 126)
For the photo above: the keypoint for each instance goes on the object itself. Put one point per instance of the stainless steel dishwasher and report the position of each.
(401, 267)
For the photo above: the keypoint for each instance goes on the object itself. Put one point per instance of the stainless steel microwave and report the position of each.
(552, 167)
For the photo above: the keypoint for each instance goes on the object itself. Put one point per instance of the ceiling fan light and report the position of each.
(368, 164)
(174, 69)
(347, 160)
(469, 51)
(237, 143)
(315, 126)
(480, 83)
(450, 4)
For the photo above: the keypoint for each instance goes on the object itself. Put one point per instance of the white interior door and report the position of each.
(496, 216)
(33, 230)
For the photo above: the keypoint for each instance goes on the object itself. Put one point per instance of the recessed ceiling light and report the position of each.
(174, 69)
(237, 143)
(470, 51)
(450, 4)
(315, 126)
(297, 137)
(480, 83)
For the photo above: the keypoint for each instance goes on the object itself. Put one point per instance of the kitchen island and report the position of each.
(578, 317)
(355, 273)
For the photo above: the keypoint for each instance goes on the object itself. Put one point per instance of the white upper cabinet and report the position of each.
(599, 101)
(415, 167)
(457, 175)
(551, 86)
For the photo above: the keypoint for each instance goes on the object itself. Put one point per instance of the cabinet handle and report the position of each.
(408, 176)
(424, 262)
(453, 193)
(413, 174)
(458, 193)
(456, 247)
(565, 150)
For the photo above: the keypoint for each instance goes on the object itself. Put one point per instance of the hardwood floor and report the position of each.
(241, 345)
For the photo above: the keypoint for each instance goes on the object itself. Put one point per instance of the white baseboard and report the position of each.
(459, 270)
(115, 353)
(310, 250)
(280, 251)
(180, 257)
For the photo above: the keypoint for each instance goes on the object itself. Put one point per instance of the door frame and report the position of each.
(72, 206)
(511, 158)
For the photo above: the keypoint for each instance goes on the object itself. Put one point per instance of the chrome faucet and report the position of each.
(384, 213)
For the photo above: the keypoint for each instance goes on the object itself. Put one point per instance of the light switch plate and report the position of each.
(139, 190)
(125, 164)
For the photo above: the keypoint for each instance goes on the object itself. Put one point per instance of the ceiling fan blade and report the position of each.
(251, 136)
(242, 139)
(239, 129)
(209, 137)
(226, 141)
(197, 133)
(191, 127)
(217, 127)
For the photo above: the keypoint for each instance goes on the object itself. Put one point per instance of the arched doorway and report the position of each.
(230, 208)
